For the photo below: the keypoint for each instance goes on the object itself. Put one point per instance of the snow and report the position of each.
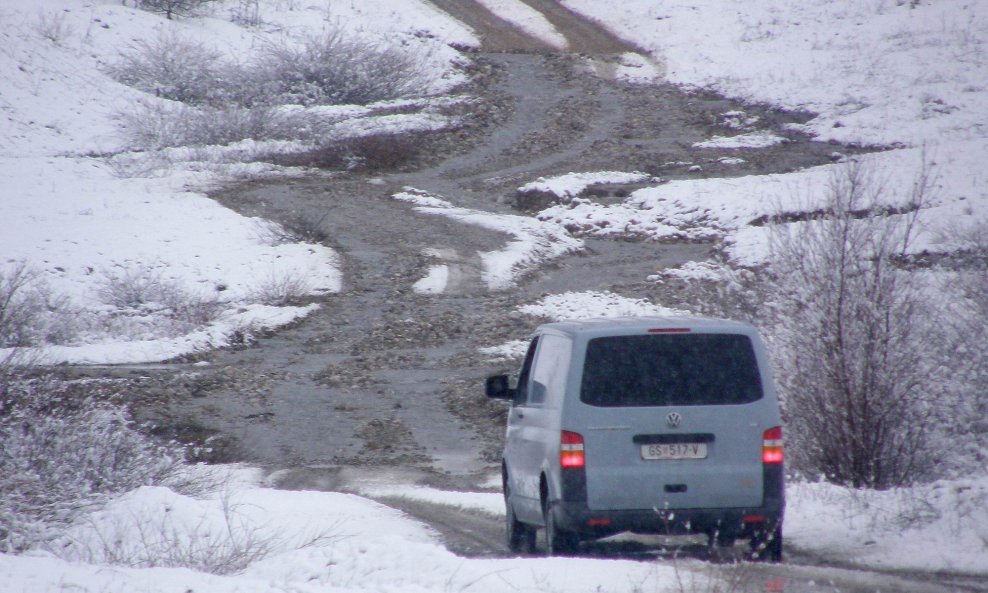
(878, 72)
(434, 282)
(886, 71)
(942, 526)
(573, 184)
(749, 140)
(725, 208)
(76, 218)
(592, 304)
(534, 242)
(305, 541)
(491, 503)
(528, 20)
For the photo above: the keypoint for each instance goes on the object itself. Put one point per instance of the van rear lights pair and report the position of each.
(571, 453)
(772, 445)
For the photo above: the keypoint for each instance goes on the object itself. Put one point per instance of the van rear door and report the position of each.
(673, 421)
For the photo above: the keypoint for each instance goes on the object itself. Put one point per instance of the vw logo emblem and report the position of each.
(673, 419)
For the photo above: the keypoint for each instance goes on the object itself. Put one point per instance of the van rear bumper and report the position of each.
(572, 513)
(591, 524)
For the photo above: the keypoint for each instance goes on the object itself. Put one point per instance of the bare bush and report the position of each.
(31, 314)
(145, 292)
(172, 67)
(246, 12)
(853, 338)
(227, 544)
(326, 70)
(222, 102)
(298, 228)
(136, 288)
(336, 69)
(63, 454)
(172, 8)
(153, 125)
(145, 542)
(286, 288)
(52, 26)
(969, 282)
(18, 311)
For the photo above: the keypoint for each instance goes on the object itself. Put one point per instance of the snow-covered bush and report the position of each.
(334, 69)
(331, 69)
(139, 299)
(18, 310)
(31, 314)
(62, 454)
(153, 125)
(219, 102)
(864, 363)
(969, 328)
(173, 67)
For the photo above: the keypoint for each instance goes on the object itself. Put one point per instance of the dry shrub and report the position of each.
(63, 454)
(856, 339)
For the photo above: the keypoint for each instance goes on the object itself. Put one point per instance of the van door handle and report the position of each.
(519, 414)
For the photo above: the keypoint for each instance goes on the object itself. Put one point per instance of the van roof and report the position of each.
(634, 325)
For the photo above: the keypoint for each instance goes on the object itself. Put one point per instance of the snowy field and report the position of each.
(876, 72)
(84, 225)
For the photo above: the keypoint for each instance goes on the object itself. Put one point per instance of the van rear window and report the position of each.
(670, 370)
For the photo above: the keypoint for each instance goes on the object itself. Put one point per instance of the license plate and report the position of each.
(675, 451)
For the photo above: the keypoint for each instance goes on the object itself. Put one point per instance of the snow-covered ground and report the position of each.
(535, 242)
(877, 72)
(82, 223)
(261, 539)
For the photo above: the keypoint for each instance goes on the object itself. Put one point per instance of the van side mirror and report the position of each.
(497, 387)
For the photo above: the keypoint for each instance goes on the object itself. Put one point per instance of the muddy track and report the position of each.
(382, 376)
(384, 383)
(498, 35)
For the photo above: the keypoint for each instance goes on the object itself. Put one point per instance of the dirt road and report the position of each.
(382, 378)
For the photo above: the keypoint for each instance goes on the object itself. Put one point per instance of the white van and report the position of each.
(648, 425)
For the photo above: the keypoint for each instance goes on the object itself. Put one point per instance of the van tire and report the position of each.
(558, 542)
(521, 537)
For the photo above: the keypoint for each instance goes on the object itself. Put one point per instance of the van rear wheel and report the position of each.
(558, 542)
(521, 536)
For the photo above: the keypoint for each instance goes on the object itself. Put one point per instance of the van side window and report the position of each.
(549, 371)
(521, 394)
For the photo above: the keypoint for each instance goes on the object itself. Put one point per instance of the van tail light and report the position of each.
(571, 452)
(772, 445)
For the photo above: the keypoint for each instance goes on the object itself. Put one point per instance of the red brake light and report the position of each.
(669, 330)
(772, 445)
(571, 452)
